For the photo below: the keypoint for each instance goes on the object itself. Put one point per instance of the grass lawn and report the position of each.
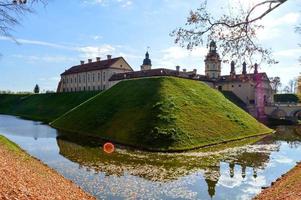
(41, 107)
(162, 113)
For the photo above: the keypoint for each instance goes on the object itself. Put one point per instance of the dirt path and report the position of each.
(24, 177)
(287, 187)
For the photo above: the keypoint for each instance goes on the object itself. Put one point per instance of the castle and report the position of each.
(252, 90)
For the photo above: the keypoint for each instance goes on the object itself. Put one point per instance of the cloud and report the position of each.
(275, 26)
(85, 51)
(288, 53)
(175, 55)
(49, 59)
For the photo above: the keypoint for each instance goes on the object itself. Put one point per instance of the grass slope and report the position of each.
(42, 107)
(162, 113)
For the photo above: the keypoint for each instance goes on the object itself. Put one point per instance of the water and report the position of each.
(232, 171)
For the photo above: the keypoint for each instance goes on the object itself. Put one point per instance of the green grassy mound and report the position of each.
(42, 107)
(162, 113)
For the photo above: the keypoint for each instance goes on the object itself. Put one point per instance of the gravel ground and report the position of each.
(287, 187)
(24, 177)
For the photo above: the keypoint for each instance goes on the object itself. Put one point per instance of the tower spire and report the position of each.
(147, 63)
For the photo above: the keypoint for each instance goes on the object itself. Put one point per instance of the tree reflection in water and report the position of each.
(253, 153)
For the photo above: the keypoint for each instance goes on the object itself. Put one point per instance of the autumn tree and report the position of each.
(236, 32)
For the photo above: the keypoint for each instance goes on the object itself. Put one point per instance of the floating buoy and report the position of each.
(108, 147)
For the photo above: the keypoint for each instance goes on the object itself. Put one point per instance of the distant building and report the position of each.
(92, 76)
(253, 89)
(147, 63)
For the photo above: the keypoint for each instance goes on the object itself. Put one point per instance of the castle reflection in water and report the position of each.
(163, 168)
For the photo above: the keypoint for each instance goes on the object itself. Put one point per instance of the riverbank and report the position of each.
(287, 187)
(24, 177)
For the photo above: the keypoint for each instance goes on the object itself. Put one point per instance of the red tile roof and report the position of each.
(98, 65)
(157, 72)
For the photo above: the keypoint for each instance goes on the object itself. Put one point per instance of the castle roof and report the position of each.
(157, 72)
(97, 65)
(243, 77)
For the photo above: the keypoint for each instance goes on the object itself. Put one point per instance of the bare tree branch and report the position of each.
(235, 34)
(11, 13)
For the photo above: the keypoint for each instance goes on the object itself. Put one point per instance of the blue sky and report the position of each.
(61, 34)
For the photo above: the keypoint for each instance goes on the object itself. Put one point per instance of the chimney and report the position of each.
(232, 72)
(184, 70)
(82, 62)
(244, 68)
(89, 60)
(97, 59)
(178, 68)
(109, 57)
(256, 68)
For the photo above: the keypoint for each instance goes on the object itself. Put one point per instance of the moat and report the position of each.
(231, 171)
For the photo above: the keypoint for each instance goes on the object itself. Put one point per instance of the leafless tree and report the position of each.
(292, 84)
(275, 83)
(11, 13)
(236, 33)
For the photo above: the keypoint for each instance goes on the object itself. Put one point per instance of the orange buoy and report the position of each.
(108, 147)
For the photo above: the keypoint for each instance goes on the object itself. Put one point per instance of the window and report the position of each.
(98, 76)
(88, 77)
(104, 75)
(121, 66)
(232, 85)
(84, 88)
(88, 88)
(93, 77)
(93, 87)
(99, 87)
(79, 79)
(239, 85)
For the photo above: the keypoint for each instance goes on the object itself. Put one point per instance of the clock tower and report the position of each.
(213, 62)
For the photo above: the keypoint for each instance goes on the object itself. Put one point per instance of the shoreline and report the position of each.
(286, 187)
(25, 177)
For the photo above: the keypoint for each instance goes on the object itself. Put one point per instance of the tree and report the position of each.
(236, 32)
(292, 85)
(11, 13)
(299, 86)
(36, 89)
(275, 83)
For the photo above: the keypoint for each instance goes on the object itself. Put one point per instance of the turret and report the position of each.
(244, 68)
(147, 63)
(256, 68)
(232, 72)
(212, 62)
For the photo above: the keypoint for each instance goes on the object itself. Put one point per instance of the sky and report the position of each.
(60, 34)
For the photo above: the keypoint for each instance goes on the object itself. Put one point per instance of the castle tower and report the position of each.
(147, 63)
(212, 62)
